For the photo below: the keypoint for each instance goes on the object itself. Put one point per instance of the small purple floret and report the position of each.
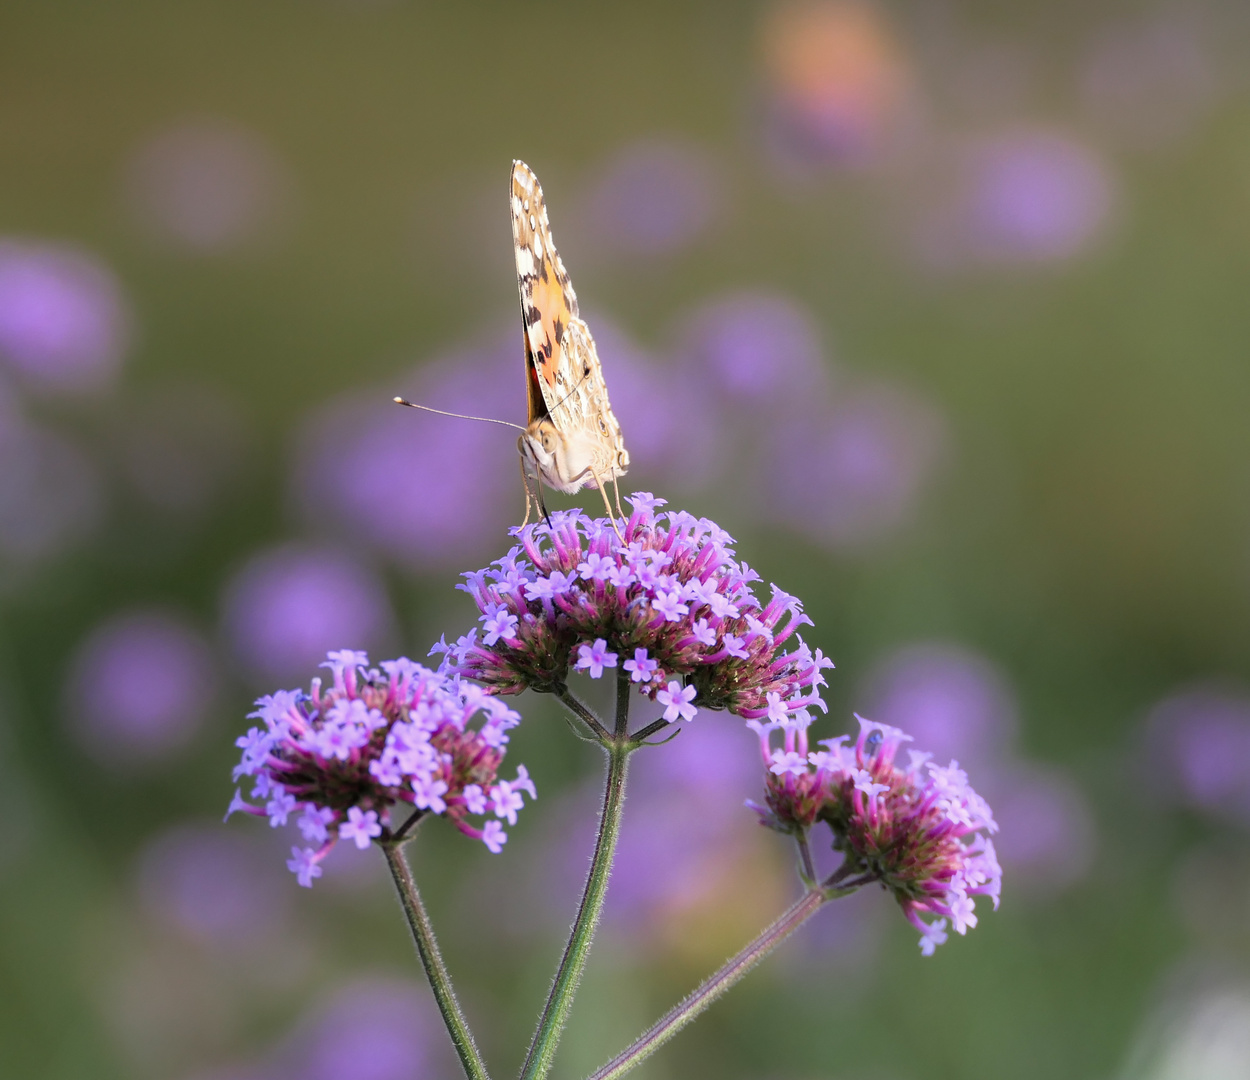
(305, 864)
(641, 668)
(361, 827)
(494, 837)
(594, 658)
(677, 701)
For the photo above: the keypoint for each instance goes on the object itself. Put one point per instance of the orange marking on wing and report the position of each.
(548, 298)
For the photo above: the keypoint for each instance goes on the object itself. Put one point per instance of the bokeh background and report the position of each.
(940, 308)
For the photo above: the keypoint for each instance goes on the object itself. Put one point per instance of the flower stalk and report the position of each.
(539, 1059)
(714, 986)
(432, 961)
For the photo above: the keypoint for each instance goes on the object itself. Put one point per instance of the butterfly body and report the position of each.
(572, 439)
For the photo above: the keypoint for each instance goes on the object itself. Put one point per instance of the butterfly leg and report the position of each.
(616, 494)
(533, 497)
(607, 505)
(525, 481)
(542, 506)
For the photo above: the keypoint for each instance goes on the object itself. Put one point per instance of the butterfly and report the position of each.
(572, 438)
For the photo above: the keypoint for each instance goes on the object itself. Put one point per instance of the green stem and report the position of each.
(432, 961)
(584, 715)
(681, 1015)
(555, 1014)
(806, 864)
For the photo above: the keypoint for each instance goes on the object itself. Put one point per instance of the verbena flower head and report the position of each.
(334, 761)
(920, 829)
(670, 606)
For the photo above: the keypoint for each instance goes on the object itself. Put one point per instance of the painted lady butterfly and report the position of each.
(572, 439)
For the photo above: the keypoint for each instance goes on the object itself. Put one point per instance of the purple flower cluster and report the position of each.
(337, 759)
(904, 826)
(666, 601)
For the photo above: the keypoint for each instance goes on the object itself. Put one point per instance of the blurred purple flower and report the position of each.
(1198, 746)
(64, 321)
(698, 779)
(372, 1029)
(375, 1027)
(855, 474)
(955, 701)
(207, 186)
(289, 605)
(1049, 838)
(140, 687)
(1149, 81)
(755, 349)
(674, 436)
(654, 198)
(691, 890)
(1037, 195)
(50, 491)
(427, 491)
(221, 890)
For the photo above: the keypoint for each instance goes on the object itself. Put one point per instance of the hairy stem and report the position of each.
(622, 703)
(645, 733)
(681, 1015)
(409, 824)
(585, 715)
(432, 961)
(550, 1026)
(805, 859)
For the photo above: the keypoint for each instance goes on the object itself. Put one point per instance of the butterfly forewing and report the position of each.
(564, 379)
(548, 302)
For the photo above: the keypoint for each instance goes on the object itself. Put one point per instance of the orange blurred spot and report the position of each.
(836, 61)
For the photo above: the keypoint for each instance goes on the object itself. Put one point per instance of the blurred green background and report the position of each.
(939, 308)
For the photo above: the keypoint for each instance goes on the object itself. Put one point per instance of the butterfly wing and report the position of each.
(564, 378)
(548, 302)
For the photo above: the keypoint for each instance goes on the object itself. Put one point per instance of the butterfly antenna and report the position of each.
(459, 416)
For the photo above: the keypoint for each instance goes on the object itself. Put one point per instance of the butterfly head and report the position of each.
(544, 451)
